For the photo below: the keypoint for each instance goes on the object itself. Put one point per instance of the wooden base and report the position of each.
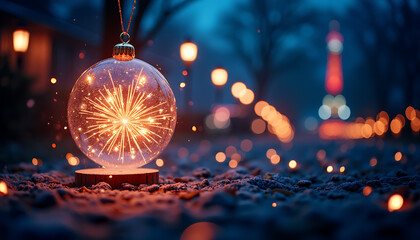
(115, 177)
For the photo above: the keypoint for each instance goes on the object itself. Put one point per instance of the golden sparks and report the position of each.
(126, 121)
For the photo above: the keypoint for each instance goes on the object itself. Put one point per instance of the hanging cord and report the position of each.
(122, 25)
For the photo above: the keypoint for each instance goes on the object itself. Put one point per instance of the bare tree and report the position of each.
(112, 29)
(260, 34)
(388, 34)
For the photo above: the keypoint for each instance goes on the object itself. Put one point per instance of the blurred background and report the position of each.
(291, 71)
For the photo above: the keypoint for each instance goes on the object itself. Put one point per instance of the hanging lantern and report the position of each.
(188, 52)
(20, 40)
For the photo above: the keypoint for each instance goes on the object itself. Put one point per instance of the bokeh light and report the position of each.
(246, 145)
(238, 89)
(3, 188)
(292, 164)
(398, 156)
(188, 51)
(258, 126)
(324, 112)
(159, 162)
(367, 190)
(219, 76)
(395, 202)
(330, 169)
(275, 159)
(233, 163)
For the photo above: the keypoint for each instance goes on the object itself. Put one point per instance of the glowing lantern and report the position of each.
(20, 40)
(219, 76)
(121, 111)
(188, 52)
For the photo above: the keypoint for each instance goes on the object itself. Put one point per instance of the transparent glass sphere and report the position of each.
(121, 114)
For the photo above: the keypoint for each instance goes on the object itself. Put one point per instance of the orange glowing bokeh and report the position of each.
(395, 202)
(398, 156)
(220, 157)
(332, 129)
(248, 97)
(188, 52)
(373, 161)
(383, 115)
(330, 169)
(259, 107)
(396, 125)
(367, 131)
(34, 161)
(278, 124)
(159, 162)
(238, 89)
(236, 156)
(410, 113)
(379, 127)
(258, 126)
(73, 161)
(415, 124)
(233, 163)
(292, 164)
(367, 190)
(219, 76)
(275, 159)
(270, 152)
(3, 188)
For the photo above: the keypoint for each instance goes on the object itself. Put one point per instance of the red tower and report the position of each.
(334, 75)
(334, 104)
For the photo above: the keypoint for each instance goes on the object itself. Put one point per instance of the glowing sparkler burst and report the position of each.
(122, 114)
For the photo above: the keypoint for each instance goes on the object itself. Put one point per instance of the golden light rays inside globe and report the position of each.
(123, 118)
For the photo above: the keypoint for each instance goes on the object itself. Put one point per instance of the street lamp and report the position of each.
(20, 40)
(219, 77)
(188, 52)
(20, 45)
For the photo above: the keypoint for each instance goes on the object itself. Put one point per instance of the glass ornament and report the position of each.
(122, 111)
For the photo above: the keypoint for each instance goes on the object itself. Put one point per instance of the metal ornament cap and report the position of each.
(123, 52)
